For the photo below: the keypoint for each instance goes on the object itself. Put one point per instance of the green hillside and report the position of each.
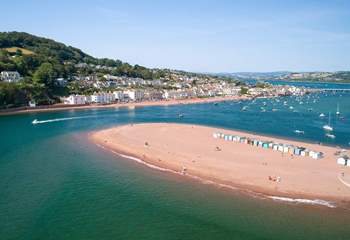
(40, 61)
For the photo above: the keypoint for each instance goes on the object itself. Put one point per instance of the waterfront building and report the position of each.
(135, 95)
(75, 99)
(10, 76)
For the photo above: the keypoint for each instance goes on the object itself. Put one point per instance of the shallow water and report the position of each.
(57, 185)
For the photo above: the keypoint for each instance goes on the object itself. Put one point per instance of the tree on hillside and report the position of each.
(45, 74)
(19, 52)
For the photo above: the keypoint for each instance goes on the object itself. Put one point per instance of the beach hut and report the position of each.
(242, 139)
(285, 149)
(216, 135)
(275, 147)
(265, 145)
(280, 148)
(291, 149)
(297, 151)
(312, 154)
(342, 161)
(318, 155)
(270, 145)
(307, 152)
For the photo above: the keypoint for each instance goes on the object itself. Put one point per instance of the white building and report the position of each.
(231, 91)
(118, 96)
(10, 76)
(135, 95)
(61, 82)
(75, 99)
(102, 97)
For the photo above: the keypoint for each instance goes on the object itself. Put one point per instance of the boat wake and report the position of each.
(36, 121)
(205, 181)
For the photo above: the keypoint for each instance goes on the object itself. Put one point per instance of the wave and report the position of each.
(210, 182)
(35, 121)
(303, 200)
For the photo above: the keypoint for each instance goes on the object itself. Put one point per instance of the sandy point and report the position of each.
(192, 150)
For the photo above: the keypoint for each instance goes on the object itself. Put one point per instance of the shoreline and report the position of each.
(276, 192)
(62, 107)
(240, 188)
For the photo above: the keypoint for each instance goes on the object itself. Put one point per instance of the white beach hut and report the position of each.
(280, 148)
(312, 154)
(342, 161)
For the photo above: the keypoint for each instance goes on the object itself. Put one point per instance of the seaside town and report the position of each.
(138, 90)
(109, 89)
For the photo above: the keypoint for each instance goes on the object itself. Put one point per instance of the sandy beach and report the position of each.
(192, 150)
(61, 107)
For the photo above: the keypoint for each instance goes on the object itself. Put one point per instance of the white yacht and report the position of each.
(330, 135)
(328, 127)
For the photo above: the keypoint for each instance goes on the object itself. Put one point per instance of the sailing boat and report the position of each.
(328, 127)
(338, 112)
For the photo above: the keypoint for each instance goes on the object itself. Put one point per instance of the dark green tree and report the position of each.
(45, 74)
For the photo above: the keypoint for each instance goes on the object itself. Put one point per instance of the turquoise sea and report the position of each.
(55, 184)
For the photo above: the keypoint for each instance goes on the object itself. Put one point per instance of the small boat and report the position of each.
(35, 121)
(180, 115)
(322, 115)
(244, 108)
(299, 132)
(274, 109)
(328, 127)
(338, 112)
(330, 135)
(291, 107)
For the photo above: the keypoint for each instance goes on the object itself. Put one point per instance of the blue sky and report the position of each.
(202, 35)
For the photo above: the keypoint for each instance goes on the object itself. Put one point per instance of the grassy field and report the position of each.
(14, 49)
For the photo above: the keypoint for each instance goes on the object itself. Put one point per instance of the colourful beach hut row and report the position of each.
(345, 161)
(284, 148)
